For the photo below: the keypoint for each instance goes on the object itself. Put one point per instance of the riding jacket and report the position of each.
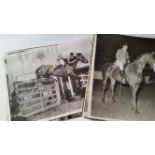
(71, 60)
(122, 56)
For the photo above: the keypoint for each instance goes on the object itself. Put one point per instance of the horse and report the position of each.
(47, 71)
(132, 73)
(68, 70)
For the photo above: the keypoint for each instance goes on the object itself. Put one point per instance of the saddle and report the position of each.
(121, 72)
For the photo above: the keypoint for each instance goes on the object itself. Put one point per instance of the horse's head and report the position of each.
(81, 57)
(151, 60)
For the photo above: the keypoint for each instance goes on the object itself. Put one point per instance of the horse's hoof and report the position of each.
(132, 108)
(137, 112)
(102, 102)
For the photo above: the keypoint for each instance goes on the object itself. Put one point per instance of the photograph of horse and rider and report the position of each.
(48, 83)
(124, 78)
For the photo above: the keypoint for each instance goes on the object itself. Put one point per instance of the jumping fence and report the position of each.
(36, 96)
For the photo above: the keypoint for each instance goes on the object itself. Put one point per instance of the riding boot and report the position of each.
(122, 76)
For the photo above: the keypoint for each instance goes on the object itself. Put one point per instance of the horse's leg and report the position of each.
(104, 86)
(113, 82)
(74, 75)
(134, 95)
(67, 91)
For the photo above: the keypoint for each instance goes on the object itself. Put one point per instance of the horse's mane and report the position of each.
(137, 58)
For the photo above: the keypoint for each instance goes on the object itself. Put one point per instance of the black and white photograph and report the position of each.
(123, 82)
(49, 82)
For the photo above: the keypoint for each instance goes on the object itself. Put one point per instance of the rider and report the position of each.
(60, 62)
(72, 59)
(122, 58)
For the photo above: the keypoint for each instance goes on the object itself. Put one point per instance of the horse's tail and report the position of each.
(106, 68)
(37, 73)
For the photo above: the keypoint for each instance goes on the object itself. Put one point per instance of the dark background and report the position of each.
(108, 44)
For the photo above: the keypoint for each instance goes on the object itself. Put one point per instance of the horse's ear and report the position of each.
(153, 52)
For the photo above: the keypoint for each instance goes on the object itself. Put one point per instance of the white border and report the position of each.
(68, 16)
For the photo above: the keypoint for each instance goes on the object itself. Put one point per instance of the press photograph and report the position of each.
(49, 82)
(123, 82)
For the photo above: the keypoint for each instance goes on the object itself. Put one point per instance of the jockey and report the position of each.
(122, 58)
(60, 62)
(72, 59)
